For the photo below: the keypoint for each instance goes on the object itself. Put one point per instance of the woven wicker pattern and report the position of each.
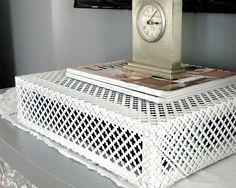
(145, 143)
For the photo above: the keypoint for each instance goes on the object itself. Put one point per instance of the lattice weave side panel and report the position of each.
(74, 125)
(196, 141)
(149, 144)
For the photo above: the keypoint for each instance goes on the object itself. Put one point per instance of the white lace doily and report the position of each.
(10, 178)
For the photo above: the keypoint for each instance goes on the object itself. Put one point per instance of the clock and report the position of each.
(151, 22)
(157, 38)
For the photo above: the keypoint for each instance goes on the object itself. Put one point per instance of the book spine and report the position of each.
(116, 88)
(117, 83)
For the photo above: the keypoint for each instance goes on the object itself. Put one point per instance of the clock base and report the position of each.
(156, 71)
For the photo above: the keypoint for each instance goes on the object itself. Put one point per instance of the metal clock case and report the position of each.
(159, 55)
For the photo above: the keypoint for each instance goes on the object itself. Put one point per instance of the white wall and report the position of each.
(51, 34)
(32, 35)
(86, 36)
(210, 40)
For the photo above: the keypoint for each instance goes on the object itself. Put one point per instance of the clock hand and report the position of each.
(152, 23)
(149, 21)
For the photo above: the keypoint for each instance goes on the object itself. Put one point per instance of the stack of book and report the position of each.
(113, 76)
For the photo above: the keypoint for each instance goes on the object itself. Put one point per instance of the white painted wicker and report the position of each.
(148, 144)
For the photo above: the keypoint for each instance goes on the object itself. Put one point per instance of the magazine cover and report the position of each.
(113, 76)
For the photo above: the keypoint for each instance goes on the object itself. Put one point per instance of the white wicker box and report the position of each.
(148, 144)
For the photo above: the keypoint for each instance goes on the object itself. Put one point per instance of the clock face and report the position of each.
(151, 22)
